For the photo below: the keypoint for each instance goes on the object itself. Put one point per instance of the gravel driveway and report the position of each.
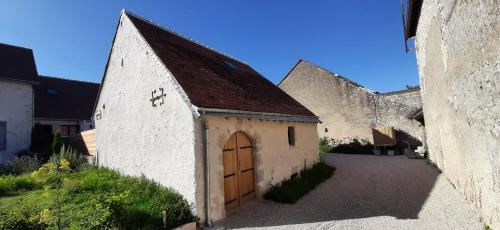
(366, 192)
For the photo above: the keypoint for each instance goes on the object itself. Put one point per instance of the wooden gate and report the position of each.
(239, 183)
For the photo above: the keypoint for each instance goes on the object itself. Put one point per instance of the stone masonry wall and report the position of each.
(346, 109)
(458, 54)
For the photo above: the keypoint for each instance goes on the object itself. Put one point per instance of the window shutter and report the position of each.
(3, 135)
(291, 136)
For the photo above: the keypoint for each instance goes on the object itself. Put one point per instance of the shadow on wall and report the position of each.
(363, 186)
(405, 140)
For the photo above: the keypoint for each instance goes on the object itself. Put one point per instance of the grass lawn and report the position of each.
(92, 198)
(291, 190)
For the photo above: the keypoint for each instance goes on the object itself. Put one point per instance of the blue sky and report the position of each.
(362, 40)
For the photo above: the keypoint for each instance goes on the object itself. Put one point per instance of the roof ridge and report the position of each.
(402, 91)
(66, 79)
(340, 76)
(15, 46)
(182, 36)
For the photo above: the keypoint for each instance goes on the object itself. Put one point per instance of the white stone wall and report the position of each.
(274, 159)
(458, 53)
(16, 108)
(134, 137)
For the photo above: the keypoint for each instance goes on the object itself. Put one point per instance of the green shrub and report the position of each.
(291, 190)
(324, 145)
(354, 147)
(93, 198)
(20, 165)
(11, 184)
(346, 145)
(75, 159)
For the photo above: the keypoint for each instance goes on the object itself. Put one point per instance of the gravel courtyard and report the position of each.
(366, 192)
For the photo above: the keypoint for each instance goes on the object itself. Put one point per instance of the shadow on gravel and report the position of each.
(363, 186)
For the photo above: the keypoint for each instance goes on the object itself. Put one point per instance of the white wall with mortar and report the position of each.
(16, 108)
(458, 53)
(274, 159)
(134, 137)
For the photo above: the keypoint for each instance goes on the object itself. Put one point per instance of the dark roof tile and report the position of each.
(57, 98)
(213, 80)
(17, 63)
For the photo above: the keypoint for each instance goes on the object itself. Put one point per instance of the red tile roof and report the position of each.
(63, 99)
(213, 80)
(17, 63)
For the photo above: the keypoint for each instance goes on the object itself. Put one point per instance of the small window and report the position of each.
(3, 135)
(69, 130)
(326, 130)
(291, 136)
(52, 91)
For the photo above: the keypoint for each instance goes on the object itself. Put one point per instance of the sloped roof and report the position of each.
(213, 80)
(17, 63)
(63, 99)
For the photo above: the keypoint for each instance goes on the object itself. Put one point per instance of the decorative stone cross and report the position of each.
(155, 98)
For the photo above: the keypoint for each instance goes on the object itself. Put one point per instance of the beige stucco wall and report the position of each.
(344, 109)
(274, 159)
(458, 53)
(18, 114)
(134, 137)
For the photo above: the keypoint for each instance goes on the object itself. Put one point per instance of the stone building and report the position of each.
(17, 76)
(349, 110)
(197, 120)
(64, 106)
(458, 54)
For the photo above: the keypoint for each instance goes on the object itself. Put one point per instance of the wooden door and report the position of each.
(239, 183)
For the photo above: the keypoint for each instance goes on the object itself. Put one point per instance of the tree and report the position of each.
(41, 139)
(412, 86)
(57, 143)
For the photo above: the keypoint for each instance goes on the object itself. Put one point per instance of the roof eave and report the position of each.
(413, 14)
(257, 115)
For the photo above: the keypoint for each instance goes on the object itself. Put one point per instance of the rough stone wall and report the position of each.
(16, 109)
(458, 53)
(393, 109)
(134, 137)
(347, 109)
(274, 159)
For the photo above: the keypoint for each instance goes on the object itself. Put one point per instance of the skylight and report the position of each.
(228, 63)
(52, 91)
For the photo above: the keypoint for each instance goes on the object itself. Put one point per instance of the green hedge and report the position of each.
(291, 190)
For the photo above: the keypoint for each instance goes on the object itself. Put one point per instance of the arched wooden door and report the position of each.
(239, 183)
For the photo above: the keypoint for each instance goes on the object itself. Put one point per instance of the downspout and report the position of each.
(206, 165)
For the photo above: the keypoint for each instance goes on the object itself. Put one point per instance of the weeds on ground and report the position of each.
(291, 190)
(59, 196)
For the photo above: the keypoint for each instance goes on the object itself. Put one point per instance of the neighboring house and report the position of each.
(197, 120)
(64, 106)
(458, 54)
(349, 110)
(17, 75)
